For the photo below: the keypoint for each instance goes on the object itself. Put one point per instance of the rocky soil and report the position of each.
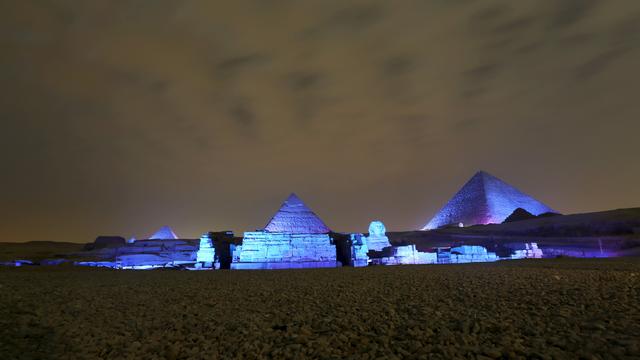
(560, 309)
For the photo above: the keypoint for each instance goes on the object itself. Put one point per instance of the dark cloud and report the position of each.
(303, 80)
(569, 12)
(575, 40)
(499, 29)
(396, 76)
(514, 25)
(308, 94)
(626, 33)
(527, 48)
(483, 72)
(234, 64)
(490, 14)
(599, 63)
(397, 65)
(125, 116)
(348, 19)
(242, 112)
(356, 17)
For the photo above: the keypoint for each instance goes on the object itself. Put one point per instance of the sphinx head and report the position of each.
(376, 228)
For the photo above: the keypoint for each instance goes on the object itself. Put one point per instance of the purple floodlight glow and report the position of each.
(484, 199)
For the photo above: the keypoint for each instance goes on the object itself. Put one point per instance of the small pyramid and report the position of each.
(485, 199)
(294, 217)
(165, 233)
(519, 214)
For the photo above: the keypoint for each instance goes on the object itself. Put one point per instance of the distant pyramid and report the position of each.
(294, 217)
(165, 233)
(485, 199)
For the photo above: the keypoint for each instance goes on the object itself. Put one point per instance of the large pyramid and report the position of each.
(484, 199)
(165, 233)
(294, 217)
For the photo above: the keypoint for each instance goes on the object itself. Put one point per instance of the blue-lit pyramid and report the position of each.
(484, 199)
(165, 233)
(294, 217)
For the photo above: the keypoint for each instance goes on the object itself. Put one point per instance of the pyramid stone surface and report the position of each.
(484, 199)
(294, 217)
(165, 233)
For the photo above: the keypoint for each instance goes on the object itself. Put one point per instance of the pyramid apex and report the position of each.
(295, 217)
(164, 233)
(483, 173)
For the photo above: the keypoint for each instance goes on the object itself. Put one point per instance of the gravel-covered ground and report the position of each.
(563, 308)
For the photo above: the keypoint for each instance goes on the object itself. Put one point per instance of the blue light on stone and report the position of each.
(484, 199)
(377, 239)
(294, 217)
(359, 250)
(165, 233)
(206, 252)
(294, 238)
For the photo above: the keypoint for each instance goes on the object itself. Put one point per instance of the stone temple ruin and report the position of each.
(294, 238)
(376, 249)
(293, 245)
(162, 249)
(367, 250)
(484, 199)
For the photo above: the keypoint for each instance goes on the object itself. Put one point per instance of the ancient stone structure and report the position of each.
(519, 214)
(484, 199)
(377, 250)
(165, 233)
(150, 253)
(471, 253)
(294, 238)
(377, 239)
(162, 249)
(205, 257)
(406, 255)
(530, 251)
(359, 250)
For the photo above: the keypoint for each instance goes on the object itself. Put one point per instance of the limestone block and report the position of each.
(206, 252)
(265, 247)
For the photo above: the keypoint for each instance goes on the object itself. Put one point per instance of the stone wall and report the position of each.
(531, 251)
(471, 253)
(206, 252)
(265, 250)
(406, 255)
(359, 250)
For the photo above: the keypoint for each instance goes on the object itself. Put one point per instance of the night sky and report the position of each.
(119, 117)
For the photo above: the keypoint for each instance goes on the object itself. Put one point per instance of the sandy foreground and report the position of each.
(561, 308)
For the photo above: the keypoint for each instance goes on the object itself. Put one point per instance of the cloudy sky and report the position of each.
(119, 117)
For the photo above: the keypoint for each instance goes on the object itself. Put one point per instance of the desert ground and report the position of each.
(551, 308)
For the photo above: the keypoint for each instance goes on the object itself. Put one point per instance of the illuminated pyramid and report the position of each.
(294, 238)
(294, 217)
(484, 199)
(165, 233)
